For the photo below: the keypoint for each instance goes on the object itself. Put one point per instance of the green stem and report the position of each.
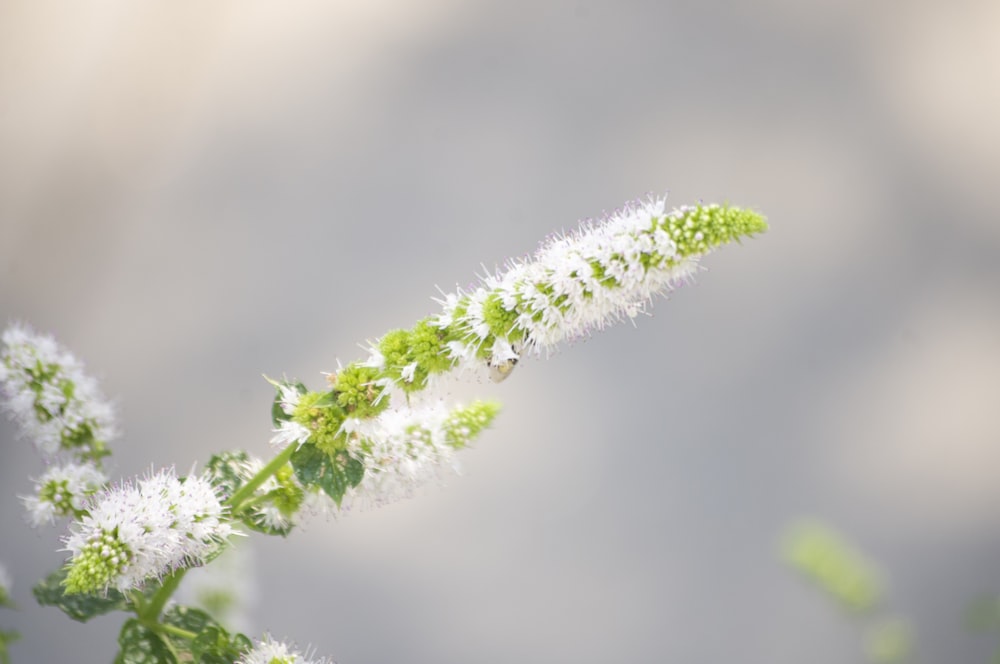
(249, 503)
(138, 601)
(151, 611)
(236, 500)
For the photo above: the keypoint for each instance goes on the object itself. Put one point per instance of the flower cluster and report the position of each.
(573, 285)
(63, 491)
(277, 502)
(61, 410)
(53, 401)
(392, 453)
(403, 449)
(374, 435)
(139, 531)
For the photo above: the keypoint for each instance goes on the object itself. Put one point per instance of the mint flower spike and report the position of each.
(63, 491)
(405, 448)
(573, 285)
(54, 403)
(144, 530)
(582, 282)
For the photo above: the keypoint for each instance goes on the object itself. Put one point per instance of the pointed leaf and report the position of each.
(140, 645)
(51, 592)
(314, 467)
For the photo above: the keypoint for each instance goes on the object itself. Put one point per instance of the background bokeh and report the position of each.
(193, 194)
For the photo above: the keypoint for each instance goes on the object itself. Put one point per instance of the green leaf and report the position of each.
(6, 637)
(213, 644)
(141, 645)
(983, 614)
(81, 607)
(224, 470)
(5, 599)
(354, 469)
(314, 467)
(188, 618)
(889, 641)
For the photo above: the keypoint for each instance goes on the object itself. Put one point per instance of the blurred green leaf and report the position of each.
(216, 646)
(6, 637)
(835, 566)
(890, 641)
(983, 614)
(51, 592)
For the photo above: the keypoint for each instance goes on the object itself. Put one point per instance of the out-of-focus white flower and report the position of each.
(405, 448)
(143, 530)
(54, 403)
(269, 651)
(63, 490)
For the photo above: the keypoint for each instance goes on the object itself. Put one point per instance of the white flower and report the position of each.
(318, 503)
(289, 431)
(55, 404)
(278, 504)
(267, 513)
(573, 285)
(143, 530)
(405, 448)
(269, 651)
(63, 491)
(585, 281)
(375, 359)
(408, 372)
(288, 397)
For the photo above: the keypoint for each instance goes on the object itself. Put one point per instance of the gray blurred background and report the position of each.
(193, 194)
